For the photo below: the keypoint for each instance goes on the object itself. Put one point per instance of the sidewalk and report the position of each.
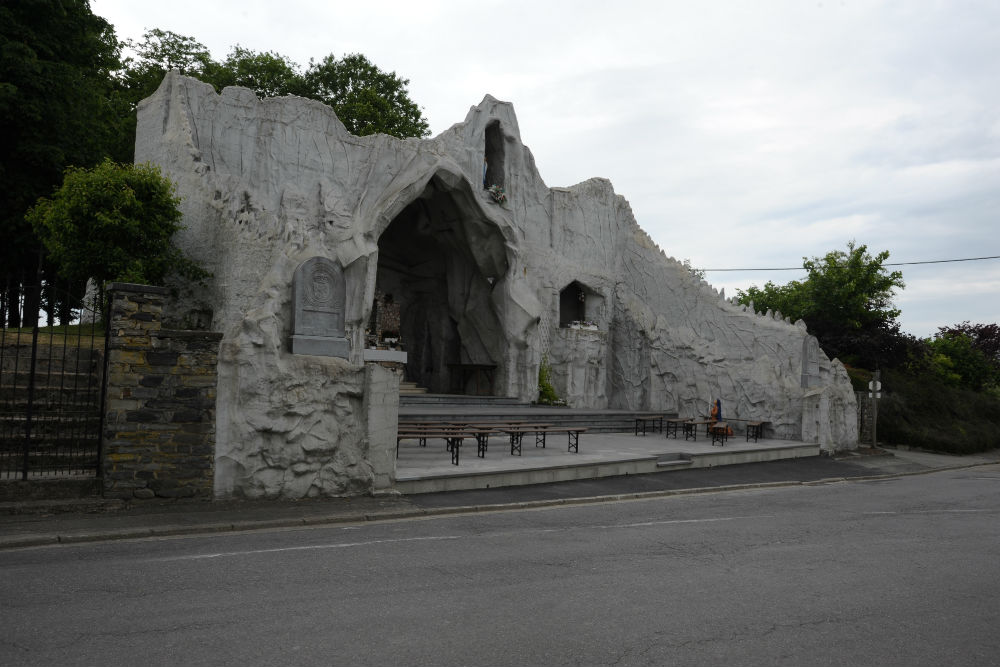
(39, 523)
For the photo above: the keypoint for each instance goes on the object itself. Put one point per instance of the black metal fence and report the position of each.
(52, 353)
(864, 417)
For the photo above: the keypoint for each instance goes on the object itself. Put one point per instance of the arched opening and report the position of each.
(493, 157)
(439, 259)
(572, 304)
(579, 305)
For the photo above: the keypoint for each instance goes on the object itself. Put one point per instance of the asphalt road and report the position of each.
(901, 571)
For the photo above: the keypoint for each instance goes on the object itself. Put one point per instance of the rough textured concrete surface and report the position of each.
(564, 273)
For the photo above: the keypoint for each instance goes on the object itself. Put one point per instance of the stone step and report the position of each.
(673, 461)
(429, 399)
(595, 421)
(411, 388)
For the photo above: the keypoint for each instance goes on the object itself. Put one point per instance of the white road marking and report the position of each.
(342, 545)
(348, 545)
(904, 513)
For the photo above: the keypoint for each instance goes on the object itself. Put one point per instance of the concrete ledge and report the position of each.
(463, 479)
(522, 477)
(385, 355)
(724, 458)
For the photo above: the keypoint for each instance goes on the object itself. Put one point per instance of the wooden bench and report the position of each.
(453, 436)
(719, 432)
(515, 429)
(691, 427)
(673, 425)
(654, 420)
(516, 434)
(572, 432)
(455, 432)
(755, 429)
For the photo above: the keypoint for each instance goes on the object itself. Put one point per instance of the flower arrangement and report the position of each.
(496, 191)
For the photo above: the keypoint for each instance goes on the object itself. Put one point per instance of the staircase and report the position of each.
(410, 389)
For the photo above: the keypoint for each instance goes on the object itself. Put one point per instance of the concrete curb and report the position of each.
(249, 525)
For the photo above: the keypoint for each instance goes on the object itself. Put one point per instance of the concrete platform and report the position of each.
(429, 469)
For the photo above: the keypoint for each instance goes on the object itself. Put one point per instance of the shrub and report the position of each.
(917, 410)
(546, 392)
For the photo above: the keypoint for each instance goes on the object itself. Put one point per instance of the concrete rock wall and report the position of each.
(269, 184)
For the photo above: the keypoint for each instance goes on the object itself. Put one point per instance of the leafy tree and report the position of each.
(164, 50)
(366, 99)
(846, 302)
(268, 74)
(140, 75)
(159, 52)
(56, 59)
(984, 337)
(953, 359)
(113, 222)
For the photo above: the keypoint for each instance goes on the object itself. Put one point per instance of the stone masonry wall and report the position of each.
(159, 424)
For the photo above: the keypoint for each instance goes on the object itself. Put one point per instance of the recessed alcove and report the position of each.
(578, 304)
(441, 258)
(494, 173)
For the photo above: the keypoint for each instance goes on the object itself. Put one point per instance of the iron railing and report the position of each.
(51, 379)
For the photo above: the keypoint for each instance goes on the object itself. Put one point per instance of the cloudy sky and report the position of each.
(745, 135)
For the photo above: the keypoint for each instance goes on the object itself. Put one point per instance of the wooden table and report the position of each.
(691, 427)
(673, 424)
(654, 420)
(719, 432)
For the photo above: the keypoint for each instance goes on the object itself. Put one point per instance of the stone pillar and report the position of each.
(381, 409)
(159, 416)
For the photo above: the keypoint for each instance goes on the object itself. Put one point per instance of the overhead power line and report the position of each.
(929, 261)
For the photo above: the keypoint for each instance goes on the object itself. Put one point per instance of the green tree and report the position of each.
(159, 52)
(366, 99)
(954, 359)
(113, 222)
(268, 74)
(56, 59)
(984, 337)
(846, 302)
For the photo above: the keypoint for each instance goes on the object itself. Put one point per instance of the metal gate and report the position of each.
(51, 380)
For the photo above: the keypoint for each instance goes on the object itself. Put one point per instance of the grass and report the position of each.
(61, 334)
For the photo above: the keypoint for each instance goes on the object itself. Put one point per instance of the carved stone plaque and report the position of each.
(319, 295)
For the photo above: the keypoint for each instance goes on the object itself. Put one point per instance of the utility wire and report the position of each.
(930, 261)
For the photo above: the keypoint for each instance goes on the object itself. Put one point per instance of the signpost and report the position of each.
(875, 393)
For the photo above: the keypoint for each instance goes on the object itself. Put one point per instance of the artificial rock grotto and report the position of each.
(305, 227)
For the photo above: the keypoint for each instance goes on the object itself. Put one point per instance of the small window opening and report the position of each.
(493, 157)
(572, 305)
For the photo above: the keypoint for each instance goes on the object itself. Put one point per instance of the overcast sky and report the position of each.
(744, 134)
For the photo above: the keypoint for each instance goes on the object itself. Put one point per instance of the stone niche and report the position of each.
(319, 296)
